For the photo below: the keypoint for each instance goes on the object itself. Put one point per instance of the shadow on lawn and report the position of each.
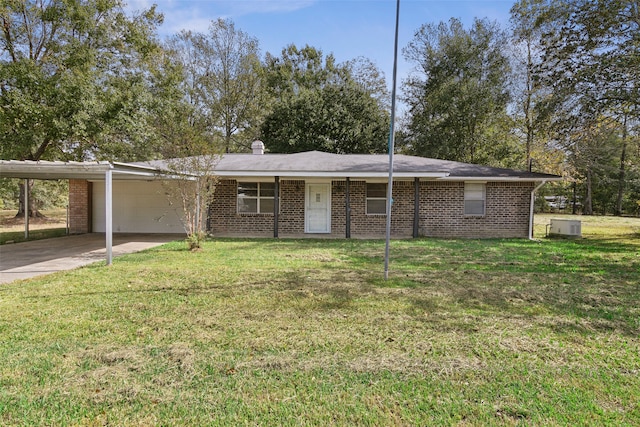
(597, 281)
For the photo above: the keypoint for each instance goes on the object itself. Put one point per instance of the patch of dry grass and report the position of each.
(53, 218)
(601, 227)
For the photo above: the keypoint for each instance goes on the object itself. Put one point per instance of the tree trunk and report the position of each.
(621, 175)
(33, 210)
(528, 109)
(588, 205)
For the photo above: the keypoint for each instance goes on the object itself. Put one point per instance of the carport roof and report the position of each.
(27, 169)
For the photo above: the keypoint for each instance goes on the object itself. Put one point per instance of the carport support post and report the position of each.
(108, 214)
(26, 209)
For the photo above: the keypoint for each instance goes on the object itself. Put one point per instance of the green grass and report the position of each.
(12, 228)
(306, 332)
(18, 236)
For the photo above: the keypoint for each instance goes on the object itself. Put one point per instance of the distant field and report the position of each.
(594, 226)
(52, 225)
(307, 332)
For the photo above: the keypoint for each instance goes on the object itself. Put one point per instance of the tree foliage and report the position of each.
(458, 95)
(591, 65)
(222, 81)
(72, 79)
(321, 105)
(531, 125)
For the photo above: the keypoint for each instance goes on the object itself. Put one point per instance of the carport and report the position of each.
(93, 171)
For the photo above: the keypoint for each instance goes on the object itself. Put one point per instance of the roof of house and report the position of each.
(310, 164)
(43, 169)
(321, 164)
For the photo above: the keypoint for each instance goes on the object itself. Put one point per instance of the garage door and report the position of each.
(138, 207)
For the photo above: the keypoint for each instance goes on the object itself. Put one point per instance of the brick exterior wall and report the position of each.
(291, 217)
(506, 210)
(441, 211)
(363, 225)
(224, 218)
(79, 206)
(338, 208)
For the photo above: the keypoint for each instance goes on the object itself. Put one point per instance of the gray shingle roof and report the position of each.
(306, 164)
(317, 163)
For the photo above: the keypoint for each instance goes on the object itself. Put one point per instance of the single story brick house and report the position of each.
(312, 194)
(321, 194)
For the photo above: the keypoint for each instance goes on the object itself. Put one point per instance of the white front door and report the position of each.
(318, 208)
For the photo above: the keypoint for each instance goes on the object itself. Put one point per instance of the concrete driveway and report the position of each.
(39, 257)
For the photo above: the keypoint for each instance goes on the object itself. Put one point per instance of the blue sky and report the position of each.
(346, 28)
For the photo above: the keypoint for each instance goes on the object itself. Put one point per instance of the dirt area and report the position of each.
(56, 218)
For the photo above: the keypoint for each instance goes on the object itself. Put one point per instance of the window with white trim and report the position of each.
(256, 197)
(474, 199)
(376, 198)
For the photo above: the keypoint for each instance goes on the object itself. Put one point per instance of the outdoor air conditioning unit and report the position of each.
(565, 227)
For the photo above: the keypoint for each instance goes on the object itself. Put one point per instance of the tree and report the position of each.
(72, 80)
(185, 141)
(458, 95)
(224, 81)
(192, 187)
(592, 158)
(321, 105)
(368, 77)
(184, 115)
(69, 73)
(592, 64)
(527, 30)
(235, 84)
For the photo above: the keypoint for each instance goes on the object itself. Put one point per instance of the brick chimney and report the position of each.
(257, 147)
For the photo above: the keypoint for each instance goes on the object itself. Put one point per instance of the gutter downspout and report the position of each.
(533, 198)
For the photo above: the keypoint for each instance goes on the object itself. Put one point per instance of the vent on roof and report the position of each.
(257, 147)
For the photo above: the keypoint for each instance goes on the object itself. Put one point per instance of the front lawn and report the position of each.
(307, 332)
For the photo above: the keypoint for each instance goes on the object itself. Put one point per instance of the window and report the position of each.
(474, 199)
(376, 199)
(256, 197)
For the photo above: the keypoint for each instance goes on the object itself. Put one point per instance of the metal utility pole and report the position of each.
(391, 144)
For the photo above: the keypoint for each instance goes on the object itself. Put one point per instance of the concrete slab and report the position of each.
(40, 257)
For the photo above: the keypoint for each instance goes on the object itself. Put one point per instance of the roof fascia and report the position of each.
(500, 179)
(301, 174)
(52, 170)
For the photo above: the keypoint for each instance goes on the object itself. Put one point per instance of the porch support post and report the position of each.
(26, 209)
(198, 225)
(416, 207)
(276, 207)
(347, 208)
(108, 227)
